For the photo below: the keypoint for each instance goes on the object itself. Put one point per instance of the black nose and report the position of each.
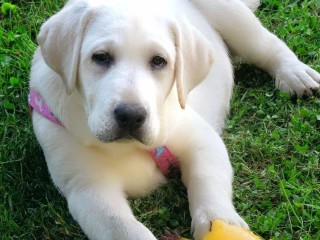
(130, 116)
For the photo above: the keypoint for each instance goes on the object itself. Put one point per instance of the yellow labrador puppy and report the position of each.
(112, 80)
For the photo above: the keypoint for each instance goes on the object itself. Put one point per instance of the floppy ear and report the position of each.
(194, 57)
(60, 40)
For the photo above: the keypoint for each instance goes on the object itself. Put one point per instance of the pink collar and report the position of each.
(162, 156)
(37, 103)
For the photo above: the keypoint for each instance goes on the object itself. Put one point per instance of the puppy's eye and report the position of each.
(103, 58)
(158, 62)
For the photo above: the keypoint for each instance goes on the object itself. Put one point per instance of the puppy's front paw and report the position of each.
(201, 222)
(297, 78)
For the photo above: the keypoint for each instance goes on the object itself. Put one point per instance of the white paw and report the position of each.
(201, 222)
(297, 78)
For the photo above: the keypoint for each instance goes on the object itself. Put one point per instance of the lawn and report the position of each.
(274, 140)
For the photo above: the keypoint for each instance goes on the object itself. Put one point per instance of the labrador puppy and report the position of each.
(123, 77)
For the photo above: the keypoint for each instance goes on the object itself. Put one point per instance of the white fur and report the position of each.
(96, 176)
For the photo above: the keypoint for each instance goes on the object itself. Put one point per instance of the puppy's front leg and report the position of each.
(92, 187)
(245, 35)
(206, 172)
(103, 213)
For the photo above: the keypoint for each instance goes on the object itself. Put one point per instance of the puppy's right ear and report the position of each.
(60, 41)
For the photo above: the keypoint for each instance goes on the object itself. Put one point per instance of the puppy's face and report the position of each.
(126, 71)
(124, 57)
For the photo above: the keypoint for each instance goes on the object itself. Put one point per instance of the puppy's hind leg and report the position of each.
(245, 35)
(252, 4)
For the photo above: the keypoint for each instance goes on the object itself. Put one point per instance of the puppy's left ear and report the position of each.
(194, 58)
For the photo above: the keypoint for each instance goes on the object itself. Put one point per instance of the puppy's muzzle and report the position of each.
(130, 117)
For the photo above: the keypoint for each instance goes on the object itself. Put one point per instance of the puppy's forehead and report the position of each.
(108, 21)
(143, 7)
(121, 24)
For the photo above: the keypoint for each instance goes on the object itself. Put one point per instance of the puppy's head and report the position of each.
(124, 61)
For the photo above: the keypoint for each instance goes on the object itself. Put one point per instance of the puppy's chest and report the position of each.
(137, 171)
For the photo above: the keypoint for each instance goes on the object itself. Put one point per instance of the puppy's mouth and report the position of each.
(122, 136)
(127, 138)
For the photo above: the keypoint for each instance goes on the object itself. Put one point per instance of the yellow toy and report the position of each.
(222, 231)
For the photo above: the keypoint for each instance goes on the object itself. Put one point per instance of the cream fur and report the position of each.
(95, 176)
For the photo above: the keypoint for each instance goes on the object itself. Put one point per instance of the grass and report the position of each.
(274, 141)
